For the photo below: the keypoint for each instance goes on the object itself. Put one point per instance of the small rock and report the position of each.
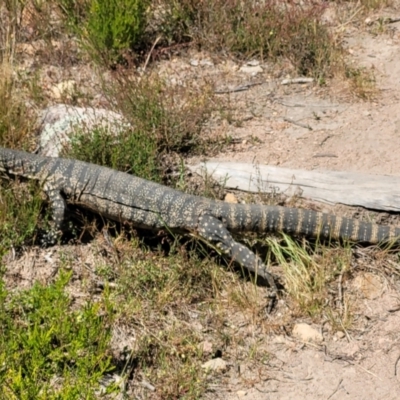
(206, 63)
(230, 198)
(368, 21)
(369, 285)
(216, 364)
(64, 89)
(253, 63)
(206, 347)
(241, 393)
(367, 113)
(194, 63)
(306, 333)
(251, 70)
(59, 122)
(340, 334)
(280, 339)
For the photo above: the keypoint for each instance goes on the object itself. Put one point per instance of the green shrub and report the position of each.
(131, 151)
(163, 120)
(44, 340)
(19, 214)
(114, 27)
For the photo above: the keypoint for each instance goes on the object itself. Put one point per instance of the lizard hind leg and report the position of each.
(212, 229)
(59, 208)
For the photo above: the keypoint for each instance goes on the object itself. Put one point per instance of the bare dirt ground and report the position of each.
(341, 133)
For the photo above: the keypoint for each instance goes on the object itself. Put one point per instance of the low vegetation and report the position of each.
(152, 310)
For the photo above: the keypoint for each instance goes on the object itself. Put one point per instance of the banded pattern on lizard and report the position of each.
(123, 197)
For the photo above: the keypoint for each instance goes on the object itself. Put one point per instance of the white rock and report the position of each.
(206, 63)
(368, 21)
(216, 364)
(64, 89)
(241, 393)
(253, 63)
(251, 70)
(59, 122)
(306, 333)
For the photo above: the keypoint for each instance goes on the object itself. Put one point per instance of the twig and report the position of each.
(337, 388)
(339, 28)
(147, 385)
(297, 80)
(151, 51)
(290, 105)
(297, 123)
(324, 155)
(325, 139)
(383, 20)
(395, 365)
(391, 20)
(240, 88)
(365, 370)
(340, 293)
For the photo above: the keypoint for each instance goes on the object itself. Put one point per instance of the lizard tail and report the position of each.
(258, 218)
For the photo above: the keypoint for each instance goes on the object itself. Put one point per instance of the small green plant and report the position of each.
(362, 82)
(48, 351)
(162, 120)
(168, 353)
(308, 272)
(20, 209)
(14, 124)
(115, 27)
(131, 151)
(268, 29)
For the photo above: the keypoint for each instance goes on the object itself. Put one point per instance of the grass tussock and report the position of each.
(15, 125)
(20, 215)
(308, 272)
(269, 30)
(362, 82)
(160, 120)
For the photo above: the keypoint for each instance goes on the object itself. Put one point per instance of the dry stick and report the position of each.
(241, 88)
(297, 80)
(297, 123)
(349, 20)
(147, 385)
(392, 20)
(395, 365)
(365, 370)
(337, 388)
(340, 294)
(320, 155)
(151, 50)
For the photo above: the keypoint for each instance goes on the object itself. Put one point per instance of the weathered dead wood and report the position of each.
(377, 192)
